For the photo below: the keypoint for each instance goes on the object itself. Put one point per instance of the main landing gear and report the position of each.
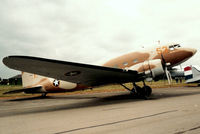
(44, 95)
(143, 92)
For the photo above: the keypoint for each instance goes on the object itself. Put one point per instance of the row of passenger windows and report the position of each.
(126, 63)
(172, 47)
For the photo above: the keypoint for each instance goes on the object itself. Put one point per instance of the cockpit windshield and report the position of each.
(172, 47)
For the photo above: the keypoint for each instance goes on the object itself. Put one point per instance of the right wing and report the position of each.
(84, 74)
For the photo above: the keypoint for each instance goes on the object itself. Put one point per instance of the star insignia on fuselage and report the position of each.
(56, 83)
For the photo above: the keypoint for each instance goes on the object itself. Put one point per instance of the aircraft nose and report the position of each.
(193, 50)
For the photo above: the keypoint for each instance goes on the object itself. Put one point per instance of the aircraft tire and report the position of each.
(144, 92)
(147, 91)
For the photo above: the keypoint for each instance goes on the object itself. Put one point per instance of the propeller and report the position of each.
(165, 65)
(167, 73)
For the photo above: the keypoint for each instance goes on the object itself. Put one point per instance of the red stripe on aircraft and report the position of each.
(187, 68)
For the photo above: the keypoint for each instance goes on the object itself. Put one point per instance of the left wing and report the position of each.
(88, 75)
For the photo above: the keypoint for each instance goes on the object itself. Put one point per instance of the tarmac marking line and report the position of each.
(116, 122)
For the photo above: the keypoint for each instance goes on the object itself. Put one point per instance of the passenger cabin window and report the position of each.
(135, 60)
(125, 63)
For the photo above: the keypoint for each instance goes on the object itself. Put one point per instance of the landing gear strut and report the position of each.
(44, 95)
(143, 92)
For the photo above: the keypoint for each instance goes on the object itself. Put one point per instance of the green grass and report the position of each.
(154, 85)
(107, 88)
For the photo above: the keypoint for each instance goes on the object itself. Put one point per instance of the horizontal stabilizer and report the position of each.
(26, 90)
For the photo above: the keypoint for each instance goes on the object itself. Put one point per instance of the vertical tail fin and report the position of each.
(188, 73)
(30, 80)
(192, 75)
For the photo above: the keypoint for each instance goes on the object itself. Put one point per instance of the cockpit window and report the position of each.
(174, 46)
(171, 47)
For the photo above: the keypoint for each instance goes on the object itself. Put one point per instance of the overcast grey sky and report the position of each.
(93, 31)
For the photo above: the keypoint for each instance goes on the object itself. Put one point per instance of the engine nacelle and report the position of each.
(151, 68)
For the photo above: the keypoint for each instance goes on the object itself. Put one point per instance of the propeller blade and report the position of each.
(169, 77)
(165, 65)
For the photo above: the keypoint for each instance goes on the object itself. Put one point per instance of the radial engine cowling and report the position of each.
(151, 68)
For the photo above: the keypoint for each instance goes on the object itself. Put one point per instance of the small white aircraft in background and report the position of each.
(44, 76)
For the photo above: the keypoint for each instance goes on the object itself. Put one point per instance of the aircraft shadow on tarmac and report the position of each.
(123, 96)
(89, 101)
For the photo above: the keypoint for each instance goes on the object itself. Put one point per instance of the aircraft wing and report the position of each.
(88, 75)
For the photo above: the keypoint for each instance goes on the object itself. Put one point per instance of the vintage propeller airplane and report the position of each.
(44, 76)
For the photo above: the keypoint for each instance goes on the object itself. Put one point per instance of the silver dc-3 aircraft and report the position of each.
(44, 76)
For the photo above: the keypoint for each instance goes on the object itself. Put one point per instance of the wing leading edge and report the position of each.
(85, 74)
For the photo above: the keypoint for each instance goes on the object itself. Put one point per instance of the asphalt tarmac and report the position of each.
(169, 110)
